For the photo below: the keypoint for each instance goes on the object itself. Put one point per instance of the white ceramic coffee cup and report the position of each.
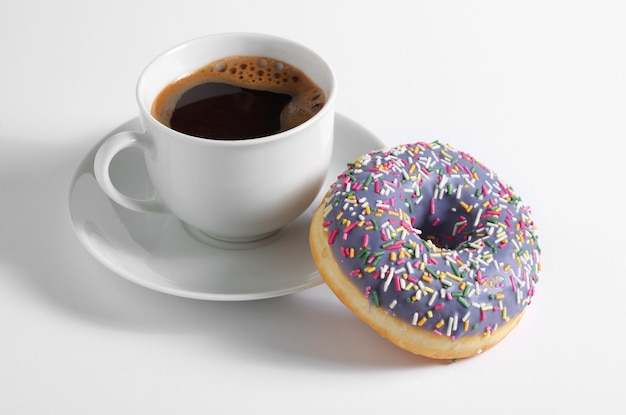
(236, 191)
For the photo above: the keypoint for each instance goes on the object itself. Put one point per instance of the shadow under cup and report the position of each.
(236, 193)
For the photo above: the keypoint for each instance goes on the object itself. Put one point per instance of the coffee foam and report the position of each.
(251, 72)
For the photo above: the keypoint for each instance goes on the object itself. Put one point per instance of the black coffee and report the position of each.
(224, 111)
(239, 97)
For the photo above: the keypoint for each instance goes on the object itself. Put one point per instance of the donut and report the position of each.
(429, 247)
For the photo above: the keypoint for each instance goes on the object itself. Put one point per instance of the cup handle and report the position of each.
(102, 162)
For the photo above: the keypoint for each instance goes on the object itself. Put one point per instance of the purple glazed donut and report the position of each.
(429, 247)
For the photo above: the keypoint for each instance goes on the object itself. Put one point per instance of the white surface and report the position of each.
(535, 89)
(157, 252)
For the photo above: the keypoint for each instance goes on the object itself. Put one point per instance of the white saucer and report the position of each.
(155, 250)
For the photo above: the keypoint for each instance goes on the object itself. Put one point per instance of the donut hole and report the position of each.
(442, 235)
(447, 228)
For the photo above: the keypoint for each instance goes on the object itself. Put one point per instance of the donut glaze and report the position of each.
(435, 239)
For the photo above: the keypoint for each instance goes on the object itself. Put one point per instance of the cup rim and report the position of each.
(328, 106)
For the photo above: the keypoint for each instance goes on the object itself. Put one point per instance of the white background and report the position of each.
(534, 89)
